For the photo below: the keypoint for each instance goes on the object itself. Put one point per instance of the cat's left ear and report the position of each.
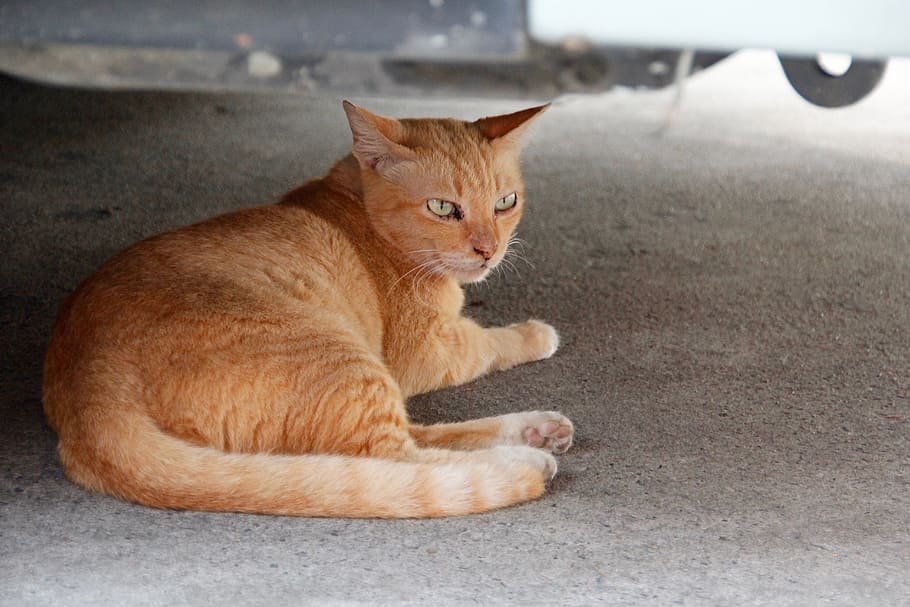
(375, 144)
(509, 128)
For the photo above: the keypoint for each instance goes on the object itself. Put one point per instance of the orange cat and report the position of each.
(260, 361)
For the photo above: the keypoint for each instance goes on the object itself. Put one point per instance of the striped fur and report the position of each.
(260, 361)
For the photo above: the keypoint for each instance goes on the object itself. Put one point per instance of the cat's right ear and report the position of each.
(374, 139)
(509, 128)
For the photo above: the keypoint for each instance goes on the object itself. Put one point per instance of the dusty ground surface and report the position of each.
(734, 300)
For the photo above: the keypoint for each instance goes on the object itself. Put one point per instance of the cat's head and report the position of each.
(446, 193)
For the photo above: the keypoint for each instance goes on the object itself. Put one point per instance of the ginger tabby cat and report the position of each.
(260, 361)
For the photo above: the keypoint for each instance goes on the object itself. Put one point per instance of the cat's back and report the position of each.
(258, 273)
(246, 262)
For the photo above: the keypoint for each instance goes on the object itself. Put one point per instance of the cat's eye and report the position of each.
(441, 207)
(506, 202)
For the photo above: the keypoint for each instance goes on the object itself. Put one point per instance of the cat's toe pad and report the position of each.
(552, 435)
(548, 430)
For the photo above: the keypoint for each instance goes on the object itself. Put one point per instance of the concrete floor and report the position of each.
(734, 301)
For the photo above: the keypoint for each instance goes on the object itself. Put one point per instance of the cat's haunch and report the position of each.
(260, 361)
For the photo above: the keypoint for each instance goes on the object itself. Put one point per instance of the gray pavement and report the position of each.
(734, 299)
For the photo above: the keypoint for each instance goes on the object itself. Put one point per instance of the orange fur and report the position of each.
(260, 361)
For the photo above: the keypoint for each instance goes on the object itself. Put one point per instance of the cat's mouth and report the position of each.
(464, 269)
(472, 271)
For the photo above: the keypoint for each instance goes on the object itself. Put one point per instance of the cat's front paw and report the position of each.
(549, 430)
(540, 339)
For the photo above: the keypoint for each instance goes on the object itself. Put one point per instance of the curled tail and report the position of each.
(151, 467)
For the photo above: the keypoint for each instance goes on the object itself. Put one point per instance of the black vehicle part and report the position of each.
(816, 85)
(353, 47)
(404, 28)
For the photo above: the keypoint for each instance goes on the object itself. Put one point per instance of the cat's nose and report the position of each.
(485, 246)
(486, 254)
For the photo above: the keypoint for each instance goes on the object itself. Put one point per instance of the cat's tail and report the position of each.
(151, 467)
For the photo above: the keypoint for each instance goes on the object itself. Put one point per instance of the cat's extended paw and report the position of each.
(541, 460)
(540, 339)
(548, 430)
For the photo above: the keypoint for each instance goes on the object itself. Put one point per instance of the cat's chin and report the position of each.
(467, 270)
(469, 276)
(479, 277)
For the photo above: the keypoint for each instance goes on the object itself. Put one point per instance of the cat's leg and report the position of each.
(542, 429)
(463, 350)
(363, 414)
(521, 343)
(501, 455)
(366, 417)
(359, 410)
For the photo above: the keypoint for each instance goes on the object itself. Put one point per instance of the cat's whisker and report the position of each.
(511, 266)
(523, 259)
(416, 268)
(516, 243)
(515, 240)
(425, 271)
(516, 255)
(421, 288)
